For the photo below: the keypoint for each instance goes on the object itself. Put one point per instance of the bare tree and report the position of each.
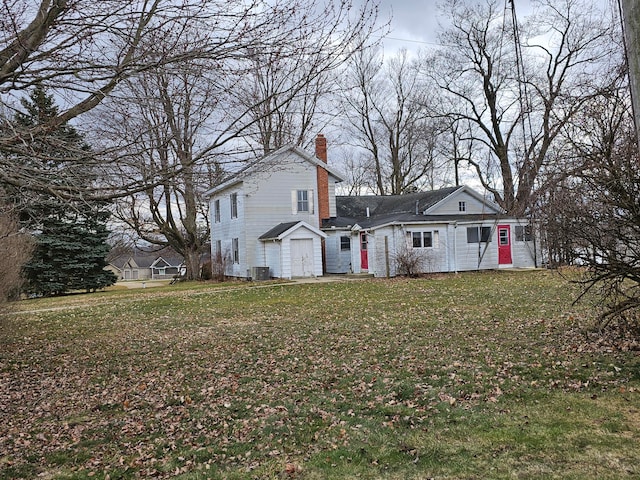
(82, 50)
(606, 230)
(285, 87)
(162, 122)
(387, 110)
(176, 126)
(515, 87)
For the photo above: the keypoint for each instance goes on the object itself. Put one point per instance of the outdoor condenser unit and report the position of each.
(260, 273)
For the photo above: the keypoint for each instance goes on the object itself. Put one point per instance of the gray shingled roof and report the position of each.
(278, 230)
(386, 209)
(418, 202)
(145, 258)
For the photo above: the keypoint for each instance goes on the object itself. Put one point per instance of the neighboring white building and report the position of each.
(272, 218)
(447, 230)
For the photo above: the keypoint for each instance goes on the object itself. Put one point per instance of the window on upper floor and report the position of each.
(216, 211)
(234, 205)
(302, 201)
(478, 234)
(462, 206)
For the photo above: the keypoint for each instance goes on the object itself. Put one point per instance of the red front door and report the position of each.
(364, 257)
(504, 245)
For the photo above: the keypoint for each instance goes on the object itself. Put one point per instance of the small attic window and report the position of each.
(462, 206)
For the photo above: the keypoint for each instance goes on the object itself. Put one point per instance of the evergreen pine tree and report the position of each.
(71, 237)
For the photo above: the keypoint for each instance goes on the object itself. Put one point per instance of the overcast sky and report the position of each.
(415, 23)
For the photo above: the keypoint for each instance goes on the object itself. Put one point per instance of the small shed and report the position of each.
(293, 249)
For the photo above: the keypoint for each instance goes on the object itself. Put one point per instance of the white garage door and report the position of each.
(302, 257)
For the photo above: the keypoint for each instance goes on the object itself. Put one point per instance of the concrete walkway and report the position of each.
(136, 284)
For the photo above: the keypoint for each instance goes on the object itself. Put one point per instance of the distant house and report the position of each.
(148, 265)
(281, 215)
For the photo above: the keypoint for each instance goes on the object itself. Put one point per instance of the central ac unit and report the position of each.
(260, 273)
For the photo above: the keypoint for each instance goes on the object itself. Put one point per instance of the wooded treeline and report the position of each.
(170, 96)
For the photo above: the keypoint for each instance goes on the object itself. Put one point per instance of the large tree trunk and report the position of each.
(192, 263)
(631, 15)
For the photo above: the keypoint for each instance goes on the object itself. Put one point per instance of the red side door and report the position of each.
(364, 257)
(504, 245)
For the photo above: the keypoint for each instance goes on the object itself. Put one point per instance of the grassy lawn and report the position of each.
(469, 376)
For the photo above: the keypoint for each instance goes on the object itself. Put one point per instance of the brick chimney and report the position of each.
(323, 179)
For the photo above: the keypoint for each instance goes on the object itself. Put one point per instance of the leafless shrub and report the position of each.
(219, 263)
(410, 261)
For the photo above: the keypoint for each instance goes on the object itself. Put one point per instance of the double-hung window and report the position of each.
(302, 201)
(523, 233)
(235, 248)
(424, 239)
(216, 211)
(234, 205)
(478, 234)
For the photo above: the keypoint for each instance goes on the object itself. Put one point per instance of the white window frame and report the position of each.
(426, 238)
(233, 198)
(480, 236)
(297, 202)
(216, 211)
(303, 200)
(235, 249)
(523, 233)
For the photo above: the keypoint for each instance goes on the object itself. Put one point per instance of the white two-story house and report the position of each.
(268, 215)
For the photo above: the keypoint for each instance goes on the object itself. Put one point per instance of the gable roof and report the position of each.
(147, 258)
(164, 261)
(418, 202)
(283, 229)
(238, 177)
(368, 211)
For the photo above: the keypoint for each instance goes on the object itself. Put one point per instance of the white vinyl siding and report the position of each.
(339, 251)
(227, 229)
(269, 202)
(463, 203)
(264, 200)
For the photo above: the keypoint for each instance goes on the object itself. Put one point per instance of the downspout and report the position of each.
(455, 247)
(535, 246)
